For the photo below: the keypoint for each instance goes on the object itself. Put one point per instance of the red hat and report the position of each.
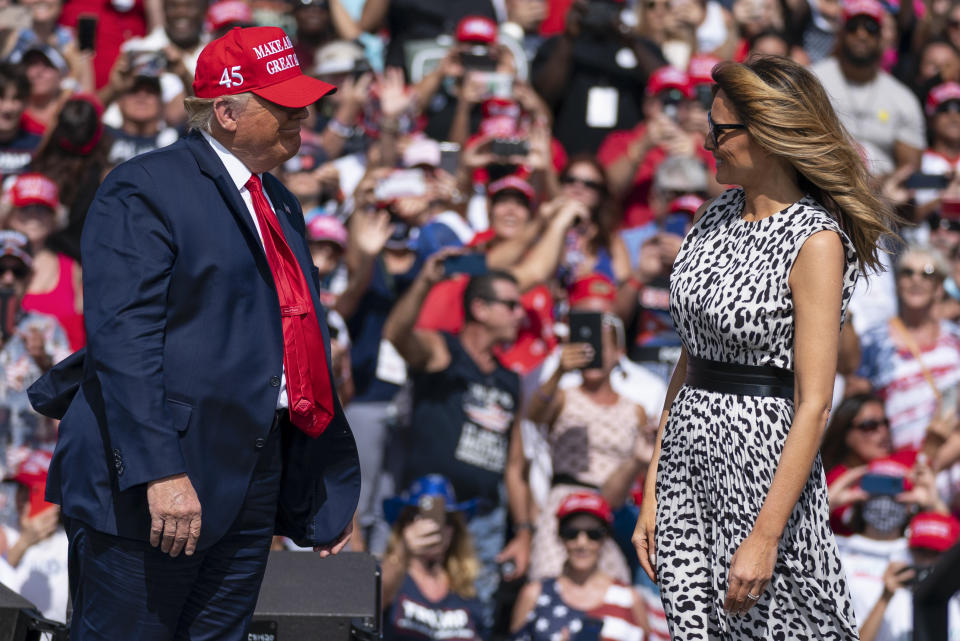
(227, 12)
(870, 8)
(585, 503)
(668, 77)
(940, 94)
(591, 286)
(478, 29)
(512, 182)
(260, 60)
(933, 531)
(688, 203)
(34, 189)
(327, 228)
(700, 69)
(32, 470)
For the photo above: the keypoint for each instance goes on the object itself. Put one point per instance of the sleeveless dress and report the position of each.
(731, 302)
(60, 303)
(587, 443)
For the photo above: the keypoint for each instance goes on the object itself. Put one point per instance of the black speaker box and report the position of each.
(307, 598)
(14, 621)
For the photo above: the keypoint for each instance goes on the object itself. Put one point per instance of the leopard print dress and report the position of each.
(731, 302)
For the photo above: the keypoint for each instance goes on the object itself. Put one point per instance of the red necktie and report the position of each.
(309, 393)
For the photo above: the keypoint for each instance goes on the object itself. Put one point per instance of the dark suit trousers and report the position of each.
(127, 589)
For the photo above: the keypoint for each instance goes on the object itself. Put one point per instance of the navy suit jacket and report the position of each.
(182, 369)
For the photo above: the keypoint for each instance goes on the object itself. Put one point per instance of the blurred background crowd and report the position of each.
(494, 198)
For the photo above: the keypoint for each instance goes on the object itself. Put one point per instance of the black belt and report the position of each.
(745, 380)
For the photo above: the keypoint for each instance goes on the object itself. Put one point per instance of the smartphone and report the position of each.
(478, 58)
(433, 508)
(401, 183)
(677, 224)
(506, 147)
(949, 401)
(587, 327)
(147, 63)
(449, 157)
(926, 181)
(469, 264)
(495, 84)
(881, 484)
(87, 32)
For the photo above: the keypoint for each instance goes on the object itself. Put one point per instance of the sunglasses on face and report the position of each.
(871, 424)
(512, 305)
(19, 271)
(950, 106)
(715, 127)
(869, 24)
(574, 180)
(568, 533)
(928, 272)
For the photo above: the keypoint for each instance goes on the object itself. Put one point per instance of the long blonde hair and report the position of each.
(460, 562)
(788, 113)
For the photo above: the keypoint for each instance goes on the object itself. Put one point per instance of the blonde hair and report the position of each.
(936, 258)
(787, 112)
(200, 115)
(460, 562)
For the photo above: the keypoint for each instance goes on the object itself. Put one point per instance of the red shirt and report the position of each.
(113, 29)
(636, 203)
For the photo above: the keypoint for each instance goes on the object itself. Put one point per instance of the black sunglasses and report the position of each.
(511, 304)
(871, 25)
(935, 221)
(871, 424)
(19, 271)
(928, 272)
(950, 106)
(592, 184)
(714, 128)
(568, 533)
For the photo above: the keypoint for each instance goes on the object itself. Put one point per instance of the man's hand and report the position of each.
(518, 551)
(174, 515)
(338, 545)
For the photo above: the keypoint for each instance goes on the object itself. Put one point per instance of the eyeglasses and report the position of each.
(568, 533)
(928, 272)
(871, 424)
(953, 24)
(19, 271)
(869, 24)
(512, 305)
(592, 184)
(937, 222)
(714, 128)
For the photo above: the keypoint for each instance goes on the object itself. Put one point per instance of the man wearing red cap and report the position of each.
(880, 112)
(207, 381)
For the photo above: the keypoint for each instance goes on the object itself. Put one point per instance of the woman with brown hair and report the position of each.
(734, 520)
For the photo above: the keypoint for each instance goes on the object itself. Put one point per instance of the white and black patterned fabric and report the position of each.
(731, 302)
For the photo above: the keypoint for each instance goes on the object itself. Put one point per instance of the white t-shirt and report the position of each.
(41, 576)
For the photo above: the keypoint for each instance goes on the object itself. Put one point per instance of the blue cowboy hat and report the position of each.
(427, 486)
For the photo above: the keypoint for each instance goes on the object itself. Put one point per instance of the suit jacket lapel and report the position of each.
(210, 165)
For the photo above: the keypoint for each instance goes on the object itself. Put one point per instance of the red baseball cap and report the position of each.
(940, 94)
(260, 60)
(327, 228)
(688, 203)
(700, 69)
(869, 8)
(512, 182)
(227, 12)
(478, 29)
(585, 503)
(32, 470)
(591, 286)
(668, 77)
(933, 531)
(34, 189)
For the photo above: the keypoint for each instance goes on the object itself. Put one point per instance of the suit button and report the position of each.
(274, 381)
(259, 443)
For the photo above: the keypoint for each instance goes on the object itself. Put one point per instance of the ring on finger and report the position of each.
(753, 597)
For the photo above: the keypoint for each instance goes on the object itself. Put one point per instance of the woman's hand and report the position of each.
(643, 533)
(422, 536)
(750, 570)
(845, 489)
(575, 356)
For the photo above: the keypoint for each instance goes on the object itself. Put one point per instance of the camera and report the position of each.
(478, 58)
(506, 147)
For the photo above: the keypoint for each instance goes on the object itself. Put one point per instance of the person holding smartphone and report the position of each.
(580, 601)
(430, 566)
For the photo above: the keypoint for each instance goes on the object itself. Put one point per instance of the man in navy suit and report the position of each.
(204, 417)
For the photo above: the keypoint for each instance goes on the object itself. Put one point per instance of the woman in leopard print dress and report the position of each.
(734, 519)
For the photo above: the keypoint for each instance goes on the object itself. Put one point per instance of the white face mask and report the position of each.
(885, 514)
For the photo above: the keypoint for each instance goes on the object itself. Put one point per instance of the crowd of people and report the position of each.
(494, 200)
